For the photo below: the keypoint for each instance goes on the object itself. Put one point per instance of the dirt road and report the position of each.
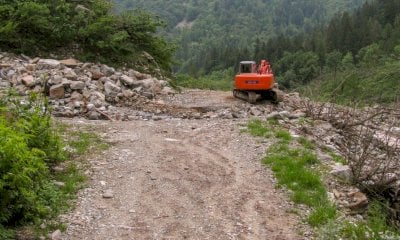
(180, 179)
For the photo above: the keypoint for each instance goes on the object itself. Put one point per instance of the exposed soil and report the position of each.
(181, 179)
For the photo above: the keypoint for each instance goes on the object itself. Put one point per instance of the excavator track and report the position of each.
(275, 95)
(247, 96)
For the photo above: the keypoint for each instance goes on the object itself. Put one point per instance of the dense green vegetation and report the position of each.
(217, 34)
(297, 168)
(31, 144)
(354, 58)
(86, 28)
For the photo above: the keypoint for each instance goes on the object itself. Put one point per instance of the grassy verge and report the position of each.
(297, 168)
(294, 168)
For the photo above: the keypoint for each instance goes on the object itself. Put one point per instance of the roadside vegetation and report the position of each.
(88, 30)
(299, 171)
(218, 80)
(40, 169)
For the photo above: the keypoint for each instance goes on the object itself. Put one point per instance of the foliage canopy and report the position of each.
(86, 28)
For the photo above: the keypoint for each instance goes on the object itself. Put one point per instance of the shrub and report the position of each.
(27, 146)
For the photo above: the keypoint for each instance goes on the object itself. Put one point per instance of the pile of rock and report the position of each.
(79, 89)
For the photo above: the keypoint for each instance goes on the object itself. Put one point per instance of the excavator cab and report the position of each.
(253, 84)
(247, 67)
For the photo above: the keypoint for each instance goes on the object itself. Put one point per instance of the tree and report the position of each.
(333, 61)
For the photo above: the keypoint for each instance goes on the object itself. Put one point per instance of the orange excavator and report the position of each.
(254, 83)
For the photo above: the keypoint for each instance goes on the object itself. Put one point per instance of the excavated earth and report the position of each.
(181, 178)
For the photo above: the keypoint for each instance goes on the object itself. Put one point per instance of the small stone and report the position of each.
(108, 194)
(56, 235)
(274, 115)
(58, 169)
(35, 60)
(94, 115)
(43, 226)
(97, 75)
(59, 184)
(336, 193)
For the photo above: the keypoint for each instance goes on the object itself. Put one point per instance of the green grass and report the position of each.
(283, 135)
(375, 227)
(258, 128)
(306, 143)
(82, 142)
(292, 170)
(295, 168)
(218, 80)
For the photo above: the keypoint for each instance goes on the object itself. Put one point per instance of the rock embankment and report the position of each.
(79, 89)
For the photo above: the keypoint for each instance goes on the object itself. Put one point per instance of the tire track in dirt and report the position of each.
(180, 179)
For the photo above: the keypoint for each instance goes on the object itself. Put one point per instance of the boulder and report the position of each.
(342, 172)
(147, 83)
(129, 81)
(77, 85)
(111, 89)
(56, 79)
(358, 202)
(71, 75)
(76, 96)
(127, 93)
(108, 71)
(71, 62)
(49, 63)
(28, 81)
(167, 91)
(57, 91)
(97, 95)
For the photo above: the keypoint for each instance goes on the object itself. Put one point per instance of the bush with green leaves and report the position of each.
(86, 28)
(28, 146)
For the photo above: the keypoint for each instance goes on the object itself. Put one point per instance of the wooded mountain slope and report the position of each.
(231, 27)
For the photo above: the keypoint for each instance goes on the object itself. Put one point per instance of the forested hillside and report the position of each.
(354, 58)
(86, 29)
(215, 35)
